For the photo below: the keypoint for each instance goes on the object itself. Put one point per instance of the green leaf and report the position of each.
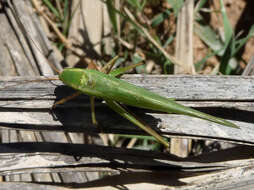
(206, 33)
(228, 30)
(176, 4)
(200, 64)
(225, 67)
(158, 19)
(135, 4)
(241, 42)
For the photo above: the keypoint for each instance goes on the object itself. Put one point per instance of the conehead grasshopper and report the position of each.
(118, 93)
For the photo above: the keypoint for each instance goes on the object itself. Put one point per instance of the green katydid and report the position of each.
(117, 92)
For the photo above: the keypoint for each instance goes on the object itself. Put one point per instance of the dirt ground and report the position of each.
(241, 16)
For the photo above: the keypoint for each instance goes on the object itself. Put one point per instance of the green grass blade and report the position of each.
(176, 4)
(200, 5)
(66, 20)
(143, 137)
(158, 19)
(112, 14)
(228, 30)
(200, 64)
(241, 42)
(52, 8)
(135, 4)
(225, 67)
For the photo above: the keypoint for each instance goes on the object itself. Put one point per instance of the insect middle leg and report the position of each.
(94, 121)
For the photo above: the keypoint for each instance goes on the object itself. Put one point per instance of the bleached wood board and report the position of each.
(227, 169)
(27, 106)
(46, 157)
(24, 48)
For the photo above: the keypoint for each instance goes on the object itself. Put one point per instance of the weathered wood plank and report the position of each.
(24, 50)
(35, 157)
(224, 88)
(37, 100)
(75, 116)
(225, 167)
(228, 180)
(33, 40)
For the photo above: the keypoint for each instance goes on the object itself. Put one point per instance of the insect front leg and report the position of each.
(66, 99)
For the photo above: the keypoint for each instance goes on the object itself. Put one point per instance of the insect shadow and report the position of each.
(75, 115)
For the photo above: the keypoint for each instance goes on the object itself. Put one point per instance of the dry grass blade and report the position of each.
(184, 53)
(249, 70)
(60, 35)
(150, 38)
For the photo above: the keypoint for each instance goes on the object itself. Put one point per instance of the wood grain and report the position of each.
(28, 106)
(223, 167)
(24, 51)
